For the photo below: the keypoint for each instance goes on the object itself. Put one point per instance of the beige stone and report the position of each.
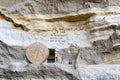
(37, 53)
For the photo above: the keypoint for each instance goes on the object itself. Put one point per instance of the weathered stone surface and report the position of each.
(85, 35)
(101, 52)
(9, 3)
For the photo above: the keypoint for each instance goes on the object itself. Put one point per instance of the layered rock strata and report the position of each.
(83, 34)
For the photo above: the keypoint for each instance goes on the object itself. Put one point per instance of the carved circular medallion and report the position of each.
(37, 53)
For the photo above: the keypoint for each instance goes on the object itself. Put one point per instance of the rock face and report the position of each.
(83, 38)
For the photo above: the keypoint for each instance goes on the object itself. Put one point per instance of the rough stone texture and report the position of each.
(102, 52)
(85, 35)
(8, 3)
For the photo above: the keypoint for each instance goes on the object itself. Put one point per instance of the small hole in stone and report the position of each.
(51, 58)
(70, 62)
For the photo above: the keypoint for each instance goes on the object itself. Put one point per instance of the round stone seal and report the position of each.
(37, 53)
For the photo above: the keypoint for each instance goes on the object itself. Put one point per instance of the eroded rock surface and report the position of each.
(84, 36)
